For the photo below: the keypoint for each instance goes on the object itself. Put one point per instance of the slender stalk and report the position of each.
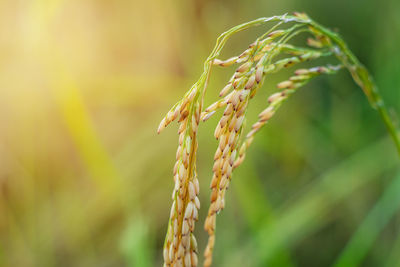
(362, 77)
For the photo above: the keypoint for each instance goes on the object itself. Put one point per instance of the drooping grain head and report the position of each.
(180, 247)
(254, 64)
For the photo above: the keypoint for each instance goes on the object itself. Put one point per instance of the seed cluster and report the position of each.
(255, 63)
(248, 77)
(180, 248)
(301, 77)
(244, 83)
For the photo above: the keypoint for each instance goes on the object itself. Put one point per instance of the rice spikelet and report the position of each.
(256, 62)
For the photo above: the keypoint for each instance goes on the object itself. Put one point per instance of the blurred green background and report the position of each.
(85, 180)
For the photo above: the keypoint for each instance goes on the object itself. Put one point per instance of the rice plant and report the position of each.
(269, 53)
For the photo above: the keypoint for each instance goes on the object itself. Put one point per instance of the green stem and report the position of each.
(362, 77)
(390, 127)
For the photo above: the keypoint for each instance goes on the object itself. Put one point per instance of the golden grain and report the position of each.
(256, 61)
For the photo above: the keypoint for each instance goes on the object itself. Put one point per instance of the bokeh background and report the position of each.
(85, 180)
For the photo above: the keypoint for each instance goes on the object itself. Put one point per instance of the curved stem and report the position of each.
(390, 127)
(362, 77)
